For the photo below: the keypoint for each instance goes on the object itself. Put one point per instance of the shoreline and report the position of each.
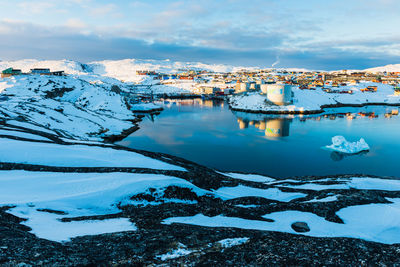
(310, 112)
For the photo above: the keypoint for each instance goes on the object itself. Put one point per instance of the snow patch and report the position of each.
(372, 222)
(230, 242)
(176, 253)
(249, 177)
(74, 195)
(246, 191)
(76, 156)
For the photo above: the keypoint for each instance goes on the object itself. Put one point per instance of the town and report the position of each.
(275, 84)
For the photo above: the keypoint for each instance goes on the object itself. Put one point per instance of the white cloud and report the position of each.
(102, 10)
(76, 23)
(35, 7)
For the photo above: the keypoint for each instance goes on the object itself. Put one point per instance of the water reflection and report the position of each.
(209, 133)
(196, 102)
(338, 156)
(277, 126)
(272, 127)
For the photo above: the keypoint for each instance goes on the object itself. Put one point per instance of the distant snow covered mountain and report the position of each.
(387, 68)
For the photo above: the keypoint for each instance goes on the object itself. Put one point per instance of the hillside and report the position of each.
(387, 68)
(70, 106)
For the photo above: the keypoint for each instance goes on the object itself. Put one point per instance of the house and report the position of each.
(40, 71)
(10, 72)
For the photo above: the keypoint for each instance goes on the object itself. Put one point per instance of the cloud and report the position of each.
(103, 10)
(35, 7)
(227, 31)
(75, 23)
(59, 43)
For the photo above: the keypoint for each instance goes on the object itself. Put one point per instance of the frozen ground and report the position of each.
(58, 197)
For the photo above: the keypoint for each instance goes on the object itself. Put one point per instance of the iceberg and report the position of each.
(340, 144)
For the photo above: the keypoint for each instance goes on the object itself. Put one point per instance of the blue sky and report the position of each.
(318, 34)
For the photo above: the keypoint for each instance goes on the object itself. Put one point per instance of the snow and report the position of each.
(41, 222)
(230, 242)
(75, 156)
(176, 253)
(143, 203)
(246, 206)
(69, 66)
(29, 126)
(245, 191)
(387, 68)
(325, 199)
(82, 110)
(249, 177)
(126, 69)
(22, 135)
(340, 144)
(77, 194)
(318, 187)
(372, 222)
(361, 183)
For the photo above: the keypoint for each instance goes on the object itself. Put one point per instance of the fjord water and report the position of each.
(209, 133)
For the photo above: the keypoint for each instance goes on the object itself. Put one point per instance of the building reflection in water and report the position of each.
(276, 127)
(272, 127)
(209, 103)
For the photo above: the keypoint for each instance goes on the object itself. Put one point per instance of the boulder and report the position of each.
(300, 227)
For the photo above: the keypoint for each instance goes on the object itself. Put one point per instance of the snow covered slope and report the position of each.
(69, 66)
(387, 68)
(71, 106)
(122, 70)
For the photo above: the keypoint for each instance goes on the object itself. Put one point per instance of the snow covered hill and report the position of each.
(126, 69)
(123, 70)
(68, 105)
(69, 66)
(387, 68)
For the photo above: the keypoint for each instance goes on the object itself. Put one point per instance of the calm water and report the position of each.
(209, 133)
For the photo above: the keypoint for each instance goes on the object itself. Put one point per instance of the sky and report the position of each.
(314, 34)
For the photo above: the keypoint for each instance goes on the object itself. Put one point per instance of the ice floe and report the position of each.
(340, 144)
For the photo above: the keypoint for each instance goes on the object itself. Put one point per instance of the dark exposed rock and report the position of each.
(58, 92)
(116, 89)
(300, 227)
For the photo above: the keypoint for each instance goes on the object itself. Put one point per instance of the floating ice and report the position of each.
(340, 144)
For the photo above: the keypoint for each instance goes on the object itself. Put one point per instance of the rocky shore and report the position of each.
(239, 196)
